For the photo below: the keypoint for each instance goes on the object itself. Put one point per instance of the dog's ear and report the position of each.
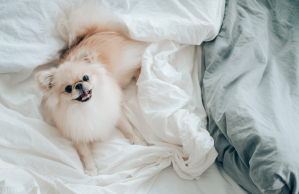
(83, 55)
(45, 79)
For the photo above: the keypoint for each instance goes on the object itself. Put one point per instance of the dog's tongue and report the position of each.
(84, 95)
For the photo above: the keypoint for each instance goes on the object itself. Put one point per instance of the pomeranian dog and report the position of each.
(83, 95)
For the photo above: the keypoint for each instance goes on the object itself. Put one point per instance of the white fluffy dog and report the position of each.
(83, 95)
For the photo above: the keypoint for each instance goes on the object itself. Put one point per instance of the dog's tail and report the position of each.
(77, 21)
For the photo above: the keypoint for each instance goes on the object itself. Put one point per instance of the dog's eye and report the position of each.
(68, 89)
(85, 78)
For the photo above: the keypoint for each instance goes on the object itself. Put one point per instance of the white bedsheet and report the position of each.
(166, 109)
(213, 181)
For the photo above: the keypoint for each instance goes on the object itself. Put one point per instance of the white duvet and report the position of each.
(165, 107)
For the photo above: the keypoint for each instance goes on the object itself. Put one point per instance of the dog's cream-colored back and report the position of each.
(102, 33)
(120, 55)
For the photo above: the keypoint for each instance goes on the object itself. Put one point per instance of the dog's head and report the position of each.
(73, 81)
(81, 94)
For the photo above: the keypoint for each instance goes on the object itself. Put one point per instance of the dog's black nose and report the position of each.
(79, 86)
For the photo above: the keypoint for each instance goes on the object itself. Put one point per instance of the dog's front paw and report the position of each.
(91, 172)
(138, 141)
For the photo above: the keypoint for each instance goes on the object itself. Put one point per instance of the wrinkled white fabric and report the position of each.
(165, 107)
(213, 180)
(28, 37)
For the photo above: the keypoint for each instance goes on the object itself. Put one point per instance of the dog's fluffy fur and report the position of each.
(100, 50)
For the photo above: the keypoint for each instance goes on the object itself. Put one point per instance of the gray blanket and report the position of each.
(250, 89)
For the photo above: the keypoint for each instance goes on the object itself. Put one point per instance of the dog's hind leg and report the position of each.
(125, 127)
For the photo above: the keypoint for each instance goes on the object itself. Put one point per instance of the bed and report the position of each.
(175, 110)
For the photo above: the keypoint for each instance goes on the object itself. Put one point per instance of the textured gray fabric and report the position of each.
(250, 90)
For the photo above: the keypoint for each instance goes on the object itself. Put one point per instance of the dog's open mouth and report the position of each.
(85, 96)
